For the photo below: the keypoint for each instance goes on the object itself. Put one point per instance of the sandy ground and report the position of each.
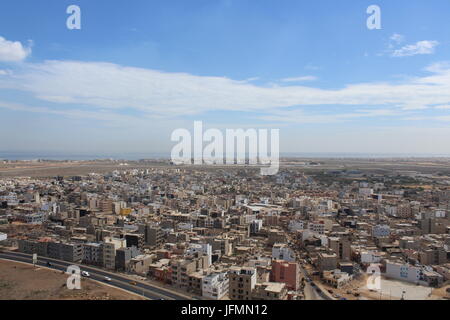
(54, 168)
(23, 282)
(392, 290)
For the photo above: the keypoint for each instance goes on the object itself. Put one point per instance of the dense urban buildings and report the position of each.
(230, 233)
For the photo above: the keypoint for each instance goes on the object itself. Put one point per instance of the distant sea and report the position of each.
(138, 156)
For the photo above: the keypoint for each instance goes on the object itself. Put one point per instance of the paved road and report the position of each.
(143, 289)
(312, 292)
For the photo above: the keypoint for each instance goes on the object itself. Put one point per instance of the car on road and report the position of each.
(107, 279)
(85, 274)
(134, 283)
(49, 264)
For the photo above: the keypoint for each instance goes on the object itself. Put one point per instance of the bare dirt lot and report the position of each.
(36, 169)
(392, 290)
(24, 282)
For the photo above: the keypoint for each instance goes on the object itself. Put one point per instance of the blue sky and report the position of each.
(138, 70)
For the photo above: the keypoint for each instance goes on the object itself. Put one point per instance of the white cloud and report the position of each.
(420, 47)
(101, 115)
(443, 107)
(398, 38)
(414, 107)
(106, 86)
(12, 51)
(312, 67)
(300, 116)
(299, 79)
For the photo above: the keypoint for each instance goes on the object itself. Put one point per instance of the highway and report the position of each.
(146, 290)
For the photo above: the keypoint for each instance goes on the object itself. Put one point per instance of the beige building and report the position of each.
(141, 264)
(270, 291)
(341, 247)
(433, 256)
(242, 281)
(327, 261)
(109, 247)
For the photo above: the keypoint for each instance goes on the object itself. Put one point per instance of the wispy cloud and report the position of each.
(444, 107)
(107, 87)
(303, 117)
(299, 79)
(420, 47)
(397, 38)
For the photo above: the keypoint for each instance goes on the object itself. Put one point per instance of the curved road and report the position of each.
(143, 289)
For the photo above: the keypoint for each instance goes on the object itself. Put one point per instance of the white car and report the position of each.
(107, 279)
(85, 274)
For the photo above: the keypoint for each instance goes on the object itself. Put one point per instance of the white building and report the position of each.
(296, 225)
(256, 226)
(317, 227)
(185, 226)
(3, 236)
(381, 231)
(365, 191)
(204, 248)
(264, 262)
(281, 251)
(32, 218)
(404, 272)
(368, 257)
(215, 286)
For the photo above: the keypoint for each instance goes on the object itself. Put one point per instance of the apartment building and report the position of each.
(381, 231)
(71, 252)
(140, 264)
(154, 236)
(32, 247)
(195, 281)
(242, 282)
(180, 270)
(124, 256)
(276, 236)
(340, 246)
(93, 254)
(433, 255)
(135, 240)
(215, 286)
(327, 261)
(109, 247)
(287, 273)
(202, 248)
(281, 251)
(270, 291)
(317, 227)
